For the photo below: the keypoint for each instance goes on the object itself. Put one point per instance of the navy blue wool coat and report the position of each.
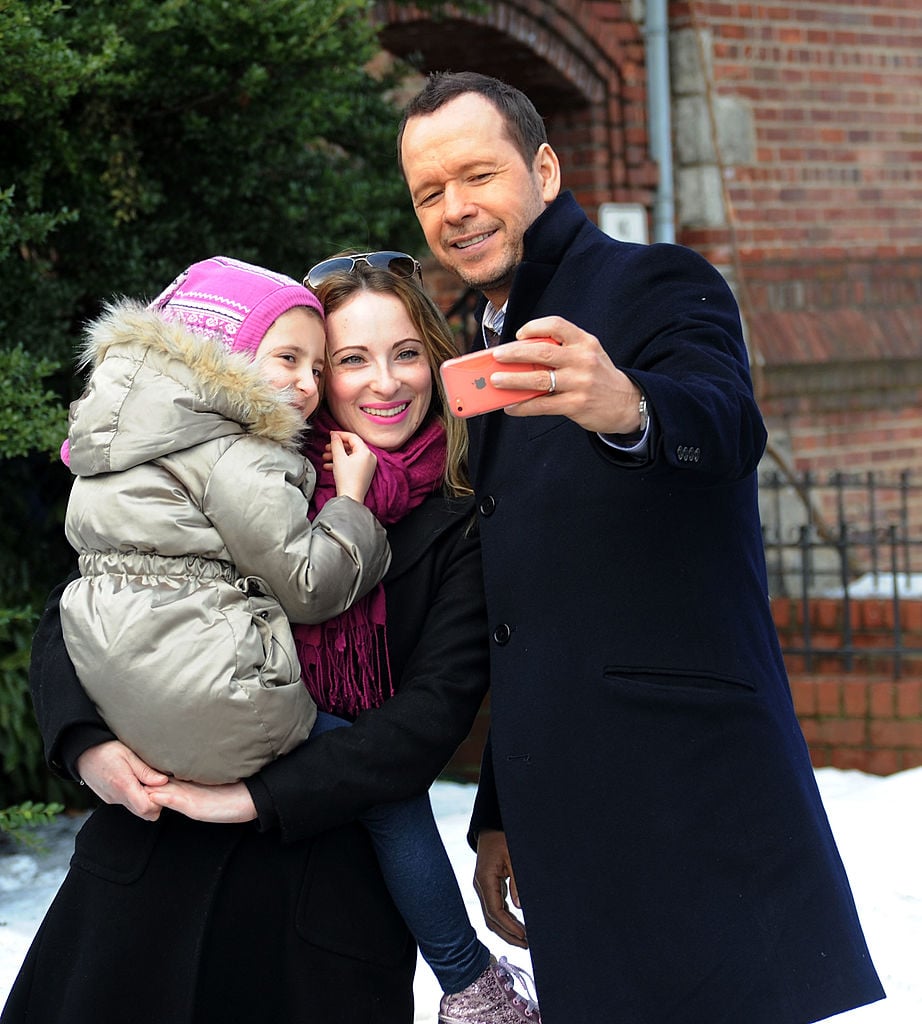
(670, 847)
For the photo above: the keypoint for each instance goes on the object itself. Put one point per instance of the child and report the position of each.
(189, 515)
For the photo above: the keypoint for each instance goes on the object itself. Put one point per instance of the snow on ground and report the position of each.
(876, 822)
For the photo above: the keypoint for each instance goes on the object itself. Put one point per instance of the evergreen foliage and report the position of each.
(18, 822)
(137, 136)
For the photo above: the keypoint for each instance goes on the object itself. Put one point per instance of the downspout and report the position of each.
(659, 107)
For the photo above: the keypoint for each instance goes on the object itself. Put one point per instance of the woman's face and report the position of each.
(379, 383)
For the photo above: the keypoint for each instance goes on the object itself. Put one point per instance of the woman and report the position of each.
(172, 919)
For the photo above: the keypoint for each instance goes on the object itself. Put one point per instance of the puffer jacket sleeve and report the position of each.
(257, 497)
(397, 750)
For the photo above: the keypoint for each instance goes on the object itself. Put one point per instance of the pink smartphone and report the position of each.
(467, 383)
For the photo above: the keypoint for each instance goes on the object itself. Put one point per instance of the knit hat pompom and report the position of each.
(233, 302)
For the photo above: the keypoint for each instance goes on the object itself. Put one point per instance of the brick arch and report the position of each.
(582, 64)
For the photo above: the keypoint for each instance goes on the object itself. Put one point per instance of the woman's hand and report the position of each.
(352, 462)
(227, 804)
(118, 776)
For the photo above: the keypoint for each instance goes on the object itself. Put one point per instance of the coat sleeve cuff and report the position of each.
(266, 815)
(72, 743)
(486, 813)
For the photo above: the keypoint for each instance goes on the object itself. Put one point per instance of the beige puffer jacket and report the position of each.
(189, 516)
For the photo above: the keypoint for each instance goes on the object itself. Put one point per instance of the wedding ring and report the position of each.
(552, 387)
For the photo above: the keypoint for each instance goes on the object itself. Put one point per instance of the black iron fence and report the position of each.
(847, 537)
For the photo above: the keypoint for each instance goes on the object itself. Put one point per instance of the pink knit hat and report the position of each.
(231, 301)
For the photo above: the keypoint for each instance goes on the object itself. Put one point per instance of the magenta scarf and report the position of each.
(344, 661)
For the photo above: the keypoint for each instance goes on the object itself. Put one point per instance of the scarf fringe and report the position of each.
(344, 662)
(352, 681)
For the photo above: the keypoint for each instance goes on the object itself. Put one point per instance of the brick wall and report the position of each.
(854, 417)
(864, 718)
(582, 64)
(817, 119)
(799, 173)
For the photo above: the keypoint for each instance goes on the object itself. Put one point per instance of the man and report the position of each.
(645, 774)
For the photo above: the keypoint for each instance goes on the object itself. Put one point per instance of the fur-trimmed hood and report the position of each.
(155, 389)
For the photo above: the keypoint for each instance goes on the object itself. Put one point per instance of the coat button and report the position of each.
(487, 505)
(502, 633)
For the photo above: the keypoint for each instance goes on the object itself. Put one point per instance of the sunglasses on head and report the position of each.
(398, 263)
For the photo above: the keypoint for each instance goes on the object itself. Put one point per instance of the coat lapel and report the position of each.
(414, 535)
(544, 244)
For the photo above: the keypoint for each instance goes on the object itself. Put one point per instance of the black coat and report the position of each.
(179, 921)
(670, 847)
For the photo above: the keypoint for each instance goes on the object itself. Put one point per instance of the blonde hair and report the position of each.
(438, 343)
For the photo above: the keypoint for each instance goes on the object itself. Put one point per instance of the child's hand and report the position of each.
(353, 464)
(221, 804)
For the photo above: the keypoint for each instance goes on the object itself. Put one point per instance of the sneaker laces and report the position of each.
(509, 972)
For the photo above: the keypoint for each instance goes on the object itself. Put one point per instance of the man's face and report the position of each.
(473, 193)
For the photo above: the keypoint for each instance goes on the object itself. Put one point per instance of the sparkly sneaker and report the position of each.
(491, 999)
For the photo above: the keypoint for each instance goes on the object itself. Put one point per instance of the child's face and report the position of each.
(291, 355)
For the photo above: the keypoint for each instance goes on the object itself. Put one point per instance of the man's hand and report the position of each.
(118, 776)
(227, 804)
(588, 387)
(490, 880)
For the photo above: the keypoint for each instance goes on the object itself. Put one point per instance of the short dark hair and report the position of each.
(523, 123)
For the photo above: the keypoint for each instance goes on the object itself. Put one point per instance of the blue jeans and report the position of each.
(422, 883)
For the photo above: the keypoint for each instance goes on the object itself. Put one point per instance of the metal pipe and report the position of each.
(659, 107)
